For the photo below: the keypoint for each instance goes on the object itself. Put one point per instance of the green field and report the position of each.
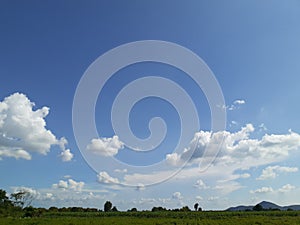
(159, 218)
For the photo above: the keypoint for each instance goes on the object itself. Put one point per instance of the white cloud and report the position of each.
(239, 102)
(104, 177)
(173, 159)
(262, 190)
(287, 169)
(239, 149)
(49, 195)
(61, 184)
(199, 198)
(213, 198)
(245, 175)
(201, 185)
(270, 171)
(66, 155)
(233, 123)
(121, 171)
(239, 152)
(17, 153)
(235, 105)
(177, 195)
(70, 184)
(286, 188)
(105, 146)
(23, 129)
(74, 185)
(265, 190)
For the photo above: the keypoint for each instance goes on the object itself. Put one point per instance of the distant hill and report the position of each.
(266, 205)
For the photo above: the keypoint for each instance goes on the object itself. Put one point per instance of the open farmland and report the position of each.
(162, 218)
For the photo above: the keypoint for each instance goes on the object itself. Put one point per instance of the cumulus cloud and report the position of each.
(238, 152)
(74, 185)
(105, 146)
(61, 184)
(66, 155)
(262, 190)
(200, 184)
(104, 177)
(271, 172)
(177, 195)
(239, 149)
(69, 184)
(286, 188)
(173, 159)
(23, 129)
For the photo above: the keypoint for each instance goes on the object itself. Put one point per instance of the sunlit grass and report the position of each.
(161, 218)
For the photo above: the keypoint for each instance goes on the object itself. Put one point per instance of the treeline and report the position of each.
(18, 204)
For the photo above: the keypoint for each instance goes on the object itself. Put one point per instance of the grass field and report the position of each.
(160, 218)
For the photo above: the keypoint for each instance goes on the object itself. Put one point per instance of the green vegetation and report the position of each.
(162, 218)
(14, 212)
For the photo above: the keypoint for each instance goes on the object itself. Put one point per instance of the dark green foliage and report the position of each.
(107, 206)
(53, 209)
(6, 206)
(185, 209)
(196, 206)
(258, 208)
(114, 209)
(33, 212)
(132, 210)
(158, 209)
(3, 196)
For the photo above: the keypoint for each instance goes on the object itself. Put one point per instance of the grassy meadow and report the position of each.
(158, 218)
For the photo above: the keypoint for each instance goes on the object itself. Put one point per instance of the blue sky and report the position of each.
(253, 49)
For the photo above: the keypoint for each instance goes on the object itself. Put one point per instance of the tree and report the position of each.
(3, 197)
(107, 206)
(185, 209)
(258, 207)
(22, 198)
(158, 209)
(132, 210)
(114, 209)
(196, 206)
